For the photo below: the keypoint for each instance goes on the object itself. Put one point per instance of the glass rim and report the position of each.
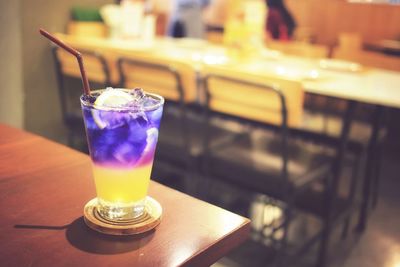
(148, 108)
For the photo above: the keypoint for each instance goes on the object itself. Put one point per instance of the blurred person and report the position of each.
(186, 18)
(280, 24)
(162, 10)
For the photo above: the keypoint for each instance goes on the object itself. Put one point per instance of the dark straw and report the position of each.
(77, 54)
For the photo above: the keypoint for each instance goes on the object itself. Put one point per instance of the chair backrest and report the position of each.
(302, 49)
(66, 66)
(371, 59)
(254, 98)
(266, 103)
(174, 81)
(95, 65)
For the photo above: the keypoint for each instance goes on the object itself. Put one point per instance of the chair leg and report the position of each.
(323, 251)
(345, 229)
(282, 253)
(327, 226)
(332, 183)
(192, 184)
(205, 184)
(352, 194)
(376, 178)
(372, 146)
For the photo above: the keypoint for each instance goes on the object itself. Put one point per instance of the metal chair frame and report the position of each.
(284, 124)
(288, 195)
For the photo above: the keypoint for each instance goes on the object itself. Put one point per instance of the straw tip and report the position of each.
(42, 31)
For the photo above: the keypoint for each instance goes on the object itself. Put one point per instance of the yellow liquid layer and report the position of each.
(122, 185)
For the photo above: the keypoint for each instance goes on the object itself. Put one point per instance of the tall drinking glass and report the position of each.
(122, 140)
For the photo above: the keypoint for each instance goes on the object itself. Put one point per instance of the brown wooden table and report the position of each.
(43, 189)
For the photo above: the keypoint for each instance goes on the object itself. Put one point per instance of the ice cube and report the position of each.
(126, 153)
(110, 119)
(136, 102)
(154, 116)
(137, 132)
(138, 95)
(89, 98)
(152, 137)
(149, 102)
(148, 151)
(141, 118)
(130, 151)
(102, 143)
(89, 121)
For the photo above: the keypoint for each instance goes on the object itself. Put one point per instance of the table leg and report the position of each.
(369, 169)
(376, 181)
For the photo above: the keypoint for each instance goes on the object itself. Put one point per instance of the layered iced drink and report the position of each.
(122, 131)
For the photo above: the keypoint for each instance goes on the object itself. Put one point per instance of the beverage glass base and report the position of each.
(150, 219)
(120, 211)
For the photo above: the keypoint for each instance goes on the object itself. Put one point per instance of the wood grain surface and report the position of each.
(43, 189)
(372, 21)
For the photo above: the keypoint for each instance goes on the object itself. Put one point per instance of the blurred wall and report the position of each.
(42, 112)
(327, 18)
(11, 90)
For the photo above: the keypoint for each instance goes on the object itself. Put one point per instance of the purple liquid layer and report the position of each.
(122, 139)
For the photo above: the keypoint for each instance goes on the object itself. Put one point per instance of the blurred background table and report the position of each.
(44, 187)
(367, 85)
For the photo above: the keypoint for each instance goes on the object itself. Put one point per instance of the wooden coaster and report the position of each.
(147, 221)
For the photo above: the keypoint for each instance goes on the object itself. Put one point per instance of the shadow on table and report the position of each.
(86, 239)
(82, 237)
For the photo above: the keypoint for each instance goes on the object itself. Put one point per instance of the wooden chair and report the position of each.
(66, 67)
(175, 81)
(302, 49)
(276, 164)
(305, 49)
